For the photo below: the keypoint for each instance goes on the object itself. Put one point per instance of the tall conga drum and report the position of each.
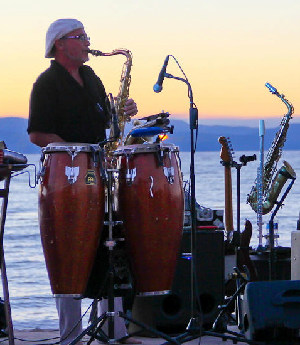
(71, 213)
(151, 203)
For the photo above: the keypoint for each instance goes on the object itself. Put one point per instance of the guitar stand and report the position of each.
(95, 329)
(241, 279)
(241, 282)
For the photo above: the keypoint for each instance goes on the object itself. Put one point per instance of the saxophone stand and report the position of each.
(272, 254)
(94, 330)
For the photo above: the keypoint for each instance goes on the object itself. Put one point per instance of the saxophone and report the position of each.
(117, 105)
(271, 188)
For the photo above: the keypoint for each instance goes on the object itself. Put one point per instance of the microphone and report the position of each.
(158, 86)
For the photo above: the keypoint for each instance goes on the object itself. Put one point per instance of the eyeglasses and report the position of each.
(77, 37)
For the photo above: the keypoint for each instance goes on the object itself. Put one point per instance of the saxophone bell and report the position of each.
(284, 173)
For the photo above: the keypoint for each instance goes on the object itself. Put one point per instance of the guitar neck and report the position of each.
(226, 156)
(228, 200)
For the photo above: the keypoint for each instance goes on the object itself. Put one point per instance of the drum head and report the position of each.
(145, 148)
(71, 147)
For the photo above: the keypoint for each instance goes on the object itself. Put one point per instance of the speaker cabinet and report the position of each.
(271, 310)
(171, 313)
(282, 264)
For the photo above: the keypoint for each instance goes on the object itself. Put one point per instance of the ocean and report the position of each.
(30, 295)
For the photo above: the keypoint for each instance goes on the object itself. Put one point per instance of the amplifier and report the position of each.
(171, 313)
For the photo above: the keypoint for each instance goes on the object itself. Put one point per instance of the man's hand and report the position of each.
(130, 107)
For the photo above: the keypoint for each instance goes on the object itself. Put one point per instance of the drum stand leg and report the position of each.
(4, 194)
(95, 328)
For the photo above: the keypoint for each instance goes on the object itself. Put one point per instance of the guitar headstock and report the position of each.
(226, 153)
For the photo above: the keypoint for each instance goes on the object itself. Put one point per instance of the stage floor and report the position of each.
(42, 336)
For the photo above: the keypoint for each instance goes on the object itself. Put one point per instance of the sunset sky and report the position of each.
(228, 50)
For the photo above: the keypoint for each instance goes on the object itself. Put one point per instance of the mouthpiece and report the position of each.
(95, 52)
(271, 88)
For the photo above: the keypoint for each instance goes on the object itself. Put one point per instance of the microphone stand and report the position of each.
(193, 329)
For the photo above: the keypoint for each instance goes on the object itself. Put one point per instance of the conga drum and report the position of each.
(151, 204)
(71, 213)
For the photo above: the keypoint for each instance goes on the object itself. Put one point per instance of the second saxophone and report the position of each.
(270, 187)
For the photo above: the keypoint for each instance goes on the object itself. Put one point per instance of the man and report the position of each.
(69, 104)
(68, 99)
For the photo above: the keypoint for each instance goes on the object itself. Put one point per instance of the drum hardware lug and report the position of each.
(72, 153)
(95, 158)
(160, 158)
(130, 175)
(42, 158)
(41, 173)
(169, 173)
(98, 160)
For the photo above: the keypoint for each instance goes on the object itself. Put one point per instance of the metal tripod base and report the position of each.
(95, 328)
(193, 331)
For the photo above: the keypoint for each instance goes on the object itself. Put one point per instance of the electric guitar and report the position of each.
(226, 156)
(243, 258)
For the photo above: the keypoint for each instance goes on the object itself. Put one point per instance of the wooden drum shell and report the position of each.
(71, 217)
(152, 209)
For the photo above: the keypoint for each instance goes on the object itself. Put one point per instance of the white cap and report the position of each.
(57, 30)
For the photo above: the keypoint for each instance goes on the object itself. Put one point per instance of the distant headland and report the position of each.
(13, 131)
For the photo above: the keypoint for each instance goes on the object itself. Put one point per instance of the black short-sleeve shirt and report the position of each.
(60, 105)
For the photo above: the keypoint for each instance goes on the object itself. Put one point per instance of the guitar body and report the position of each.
(243, 257)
